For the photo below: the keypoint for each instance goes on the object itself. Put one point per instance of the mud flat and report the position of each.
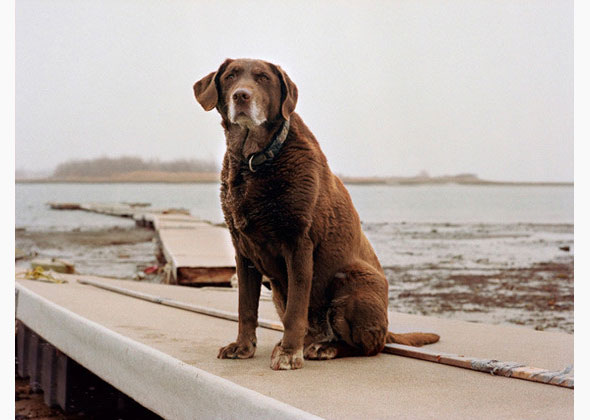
(113, 252)
(520, 274)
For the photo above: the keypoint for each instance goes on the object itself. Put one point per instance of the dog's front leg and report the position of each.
(288, 354)
(249, 281)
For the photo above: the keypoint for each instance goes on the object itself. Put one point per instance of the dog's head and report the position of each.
(248, 92)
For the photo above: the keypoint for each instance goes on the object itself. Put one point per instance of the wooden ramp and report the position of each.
(164, 358)
(196, 252)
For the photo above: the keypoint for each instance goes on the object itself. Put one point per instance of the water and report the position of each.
(464, 204)
(33, 212)
(375, 203)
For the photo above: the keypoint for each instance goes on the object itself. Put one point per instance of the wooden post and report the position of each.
(48, 374)
(61, 380)
(34, 362)
(22, 338)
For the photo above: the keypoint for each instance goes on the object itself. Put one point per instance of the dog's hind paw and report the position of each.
(320, 351)
(282, 359)
(237, 351)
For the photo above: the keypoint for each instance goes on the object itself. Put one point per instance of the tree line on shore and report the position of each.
(105, 166)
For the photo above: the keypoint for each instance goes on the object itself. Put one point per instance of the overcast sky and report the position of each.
(387, 87)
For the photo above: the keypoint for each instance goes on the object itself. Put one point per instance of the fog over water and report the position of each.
(388, 88)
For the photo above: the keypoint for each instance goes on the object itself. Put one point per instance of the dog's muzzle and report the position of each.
(244, 110)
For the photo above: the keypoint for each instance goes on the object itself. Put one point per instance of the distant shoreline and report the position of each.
(436, 181)
(208, 178)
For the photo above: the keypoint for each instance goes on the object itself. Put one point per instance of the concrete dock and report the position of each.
(165, 359)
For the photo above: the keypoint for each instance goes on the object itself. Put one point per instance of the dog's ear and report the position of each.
(206, 88)
(288, 93)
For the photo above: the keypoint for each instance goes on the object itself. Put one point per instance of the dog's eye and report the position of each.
(262, 78)
(230, 76)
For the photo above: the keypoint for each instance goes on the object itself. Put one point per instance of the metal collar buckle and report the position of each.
(250, 162)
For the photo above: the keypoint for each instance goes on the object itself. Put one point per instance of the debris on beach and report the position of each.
(54, 264)
(38, 273)
(151, 269)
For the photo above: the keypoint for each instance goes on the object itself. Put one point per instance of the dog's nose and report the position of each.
(241, 95)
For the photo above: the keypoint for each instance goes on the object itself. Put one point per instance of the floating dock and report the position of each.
(196, 252)
(165, 359)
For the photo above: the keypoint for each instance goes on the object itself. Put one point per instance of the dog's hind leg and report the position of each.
(369, 289)
(358, 319)
(357, 315)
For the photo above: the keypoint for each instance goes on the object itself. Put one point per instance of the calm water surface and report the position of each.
(375, 203)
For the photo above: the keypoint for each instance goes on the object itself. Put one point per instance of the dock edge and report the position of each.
(165, 385)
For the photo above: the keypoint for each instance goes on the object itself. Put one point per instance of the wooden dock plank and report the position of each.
(199, 253)
(204, 246)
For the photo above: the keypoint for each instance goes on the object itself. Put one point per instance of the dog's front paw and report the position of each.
(237, 351)
(283, 359)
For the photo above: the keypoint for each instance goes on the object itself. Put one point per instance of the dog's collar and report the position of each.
(255, 160)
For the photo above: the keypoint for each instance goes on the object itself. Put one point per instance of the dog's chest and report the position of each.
(259, 209)
(261, 212)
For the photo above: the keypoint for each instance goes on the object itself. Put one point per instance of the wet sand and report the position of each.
(540, 296)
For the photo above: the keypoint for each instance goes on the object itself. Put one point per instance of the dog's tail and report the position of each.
(416, 339)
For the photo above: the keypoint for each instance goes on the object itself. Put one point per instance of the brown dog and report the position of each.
(292, 220)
